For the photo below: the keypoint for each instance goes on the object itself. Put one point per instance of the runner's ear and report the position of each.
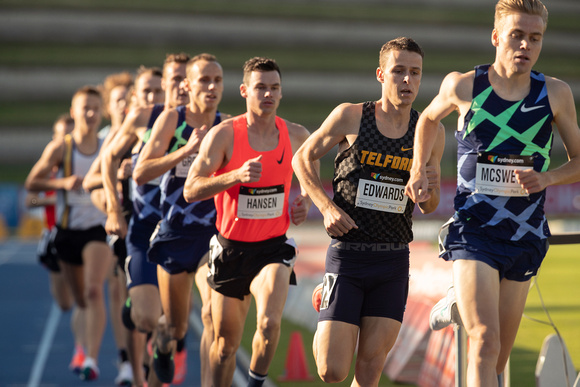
(243, 91)
(380, 75)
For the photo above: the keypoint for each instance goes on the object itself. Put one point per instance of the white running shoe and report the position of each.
(125, 376)
(445, 312)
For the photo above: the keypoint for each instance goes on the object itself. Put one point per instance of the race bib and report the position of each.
(495, 174)
(261, 203)
(182, 168)
(382, 192)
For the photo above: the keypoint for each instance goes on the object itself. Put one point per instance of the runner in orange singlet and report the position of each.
(250, 156)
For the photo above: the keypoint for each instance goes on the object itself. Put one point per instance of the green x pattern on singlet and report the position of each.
(506, 132)
(179, 137)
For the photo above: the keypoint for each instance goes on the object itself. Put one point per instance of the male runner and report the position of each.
(365, 286)
(497, 238)
(250, 156)
(80, 241)
(143, 305)
(185, 229)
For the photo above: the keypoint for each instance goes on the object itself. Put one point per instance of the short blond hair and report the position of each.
(203, 56)
(529, 7)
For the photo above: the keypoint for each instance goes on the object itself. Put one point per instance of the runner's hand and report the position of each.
(337, 222)
(299, 209)
(531, 180)
(116, 224)
(417, 187)
(250, 171)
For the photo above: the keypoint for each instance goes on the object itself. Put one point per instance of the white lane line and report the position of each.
(45, 345)
(13, 251)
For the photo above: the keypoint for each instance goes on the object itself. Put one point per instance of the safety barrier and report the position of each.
(461, 337)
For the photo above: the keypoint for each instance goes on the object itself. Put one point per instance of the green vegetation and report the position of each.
(557, 282)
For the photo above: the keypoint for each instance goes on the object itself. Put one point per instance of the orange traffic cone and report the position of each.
(296, 367)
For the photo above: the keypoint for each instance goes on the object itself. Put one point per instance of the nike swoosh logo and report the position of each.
(529, 272)
(525, 109)
(403, 149)
(282, 157)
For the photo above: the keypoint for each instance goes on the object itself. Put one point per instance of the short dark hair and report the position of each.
(261, 64)
(402, 44)
(154, 71)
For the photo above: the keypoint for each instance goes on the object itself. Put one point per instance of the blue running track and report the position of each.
(35, 339)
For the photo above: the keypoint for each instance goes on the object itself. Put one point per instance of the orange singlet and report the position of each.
(253, 212)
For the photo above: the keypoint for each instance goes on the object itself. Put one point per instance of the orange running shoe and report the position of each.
(76, 363)
(317, 297)
(180, 360)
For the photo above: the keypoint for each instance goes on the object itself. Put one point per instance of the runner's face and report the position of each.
(206, 85)
(401, 76)
(518, 41)
(86, 110)
(118, 102)
(175, 93)
(263, 92)
(148, 90)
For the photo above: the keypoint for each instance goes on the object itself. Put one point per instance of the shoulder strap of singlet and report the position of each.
(67, 159)
(480, 80)
(67, 171)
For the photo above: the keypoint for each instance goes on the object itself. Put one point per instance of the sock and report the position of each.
(180, 344)
(255, 379)
(123, 357)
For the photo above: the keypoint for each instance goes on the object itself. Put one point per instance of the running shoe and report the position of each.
(317, 297)
(90, 370)
(163, 365)
(125, 376)
(445, 312)
(180, 361)
(76, 363)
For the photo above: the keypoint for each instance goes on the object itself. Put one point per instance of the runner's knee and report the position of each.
(330, 373)
(269, 328)
(486, 341)
(225, 350)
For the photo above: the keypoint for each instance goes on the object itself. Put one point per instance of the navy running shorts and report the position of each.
(138, 269)
(69, 244)
(365, 280)
(179, 251)
(233, 265)
(514, 260)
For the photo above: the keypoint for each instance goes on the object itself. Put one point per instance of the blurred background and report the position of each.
(328, 52)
